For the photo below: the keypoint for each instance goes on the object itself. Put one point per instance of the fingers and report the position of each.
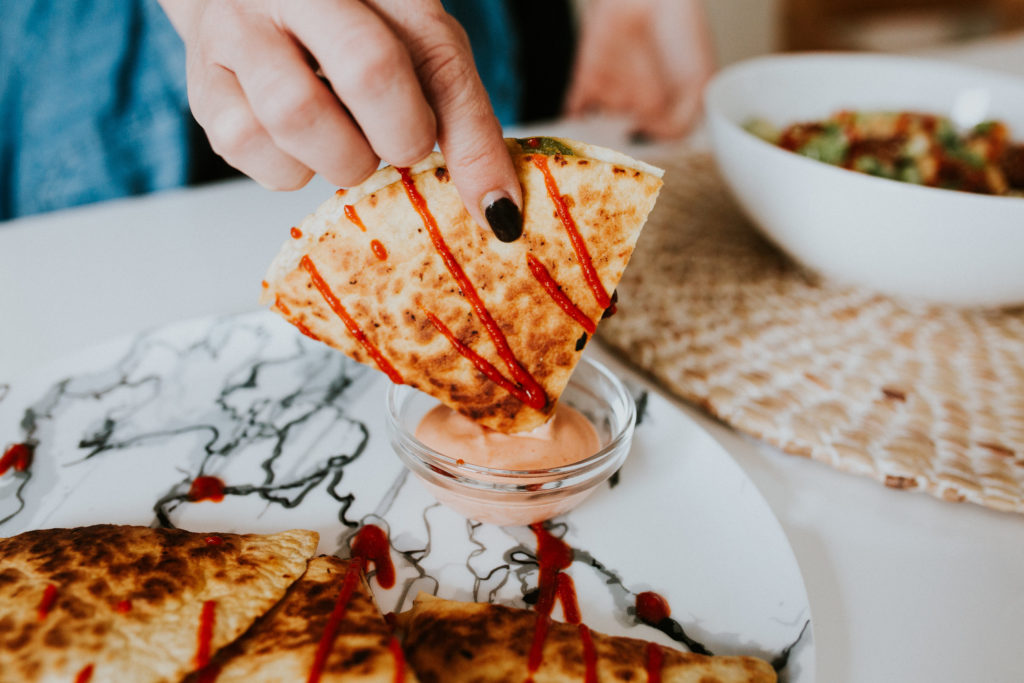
(468, 132)
(302, 116)
(371, 71)
(223, 111)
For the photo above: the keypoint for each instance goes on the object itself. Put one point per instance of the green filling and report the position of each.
(546, 146)
(830, 146)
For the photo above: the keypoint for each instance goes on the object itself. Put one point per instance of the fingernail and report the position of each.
(505, 219)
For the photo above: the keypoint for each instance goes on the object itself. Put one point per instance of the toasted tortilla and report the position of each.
(282, 645)
(366, 274)
(467, 641)
(129, 601)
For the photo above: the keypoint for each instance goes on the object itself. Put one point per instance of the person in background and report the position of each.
(95, 95)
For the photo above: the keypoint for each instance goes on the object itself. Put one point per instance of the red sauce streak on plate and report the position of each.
(571, 607)
(123, 607)
(399, 657)
(531, 388)
(370, 546)
(651, 608)
(353, 328)
(205, 635)
(553, 555)
(582, 254)
(378, 250)
(481, 363)
(18, 456)
(46, 603)
(340, 192)
(295, 233)
(85, 675)
(557, 295)
(655, 658)
(350, 213)
(206, 488)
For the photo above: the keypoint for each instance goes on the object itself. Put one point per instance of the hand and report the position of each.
(646, 59)
(399, 76)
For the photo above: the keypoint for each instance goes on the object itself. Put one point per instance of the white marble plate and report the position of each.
(296, 432)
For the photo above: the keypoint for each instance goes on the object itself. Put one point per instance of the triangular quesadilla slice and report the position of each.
(396, 274)
(124, 603)
(468, 641)
(283, 645)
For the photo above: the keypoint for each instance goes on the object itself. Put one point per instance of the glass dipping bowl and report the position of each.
(514, 497)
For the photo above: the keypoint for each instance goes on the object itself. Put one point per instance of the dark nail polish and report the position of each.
(505, 219)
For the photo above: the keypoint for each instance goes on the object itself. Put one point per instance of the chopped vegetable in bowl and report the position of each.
(912, 147)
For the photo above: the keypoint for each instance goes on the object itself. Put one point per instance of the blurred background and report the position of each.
(746, 28)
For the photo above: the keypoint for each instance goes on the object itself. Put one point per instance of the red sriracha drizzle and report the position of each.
(18, 456)
(557, 295)
(655, 657)
(578, 245)
(370, 546)
(651, 608)
(85, 675)
(399, 657)
(46, 603)
(481, 363)
(206, 488)
(350, 324)
(350, 213)
(554, 555)
(378, 250)
(532, 390)
(205, 635)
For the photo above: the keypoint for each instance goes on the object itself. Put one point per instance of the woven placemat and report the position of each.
(917, 397)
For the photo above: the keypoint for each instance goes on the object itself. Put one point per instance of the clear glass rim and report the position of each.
(427, 454)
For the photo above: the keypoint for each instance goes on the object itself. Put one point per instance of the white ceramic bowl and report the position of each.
(909, 241)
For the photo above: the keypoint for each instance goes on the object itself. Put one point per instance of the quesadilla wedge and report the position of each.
(124, 603)
(396, 274)
(283, 644)
(468, 641)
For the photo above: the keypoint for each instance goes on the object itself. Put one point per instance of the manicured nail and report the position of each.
(505, 219)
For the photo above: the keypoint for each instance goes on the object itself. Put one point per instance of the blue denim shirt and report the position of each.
(93, 102)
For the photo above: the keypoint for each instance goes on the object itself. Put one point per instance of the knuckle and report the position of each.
(292, 109)
(446, 70)
(232, 131)
(376, 62)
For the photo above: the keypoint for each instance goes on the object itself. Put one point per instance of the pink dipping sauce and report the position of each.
(567, 438)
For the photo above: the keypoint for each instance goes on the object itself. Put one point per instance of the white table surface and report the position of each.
(903, 587)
